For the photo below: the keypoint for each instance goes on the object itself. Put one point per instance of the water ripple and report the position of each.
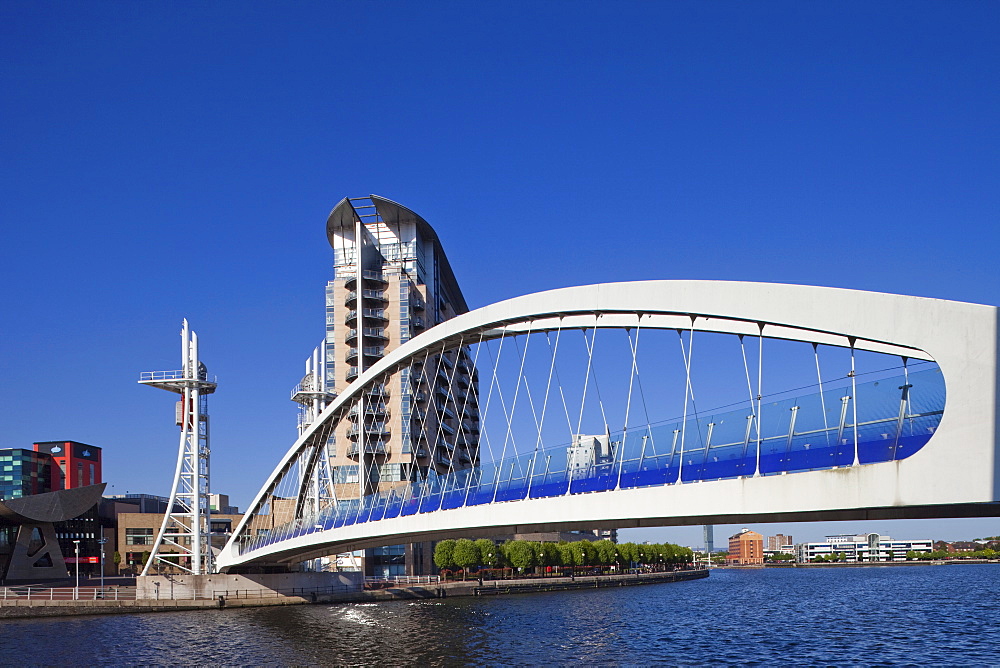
(864, 616)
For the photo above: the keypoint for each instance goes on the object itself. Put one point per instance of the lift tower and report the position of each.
(185, 528)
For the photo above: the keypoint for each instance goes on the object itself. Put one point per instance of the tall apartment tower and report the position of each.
(392, 281)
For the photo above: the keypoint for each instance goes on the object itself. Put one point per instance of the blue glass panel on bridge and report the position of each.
(552, 484)
(720, 448)
(453, 499)
(411, 505)
(649, 477)
(483, 494)
(431, 502)
(378, 511)
(596, 479)
(724, 462)
(393, 506)
(514, 487)
(430, 499)
(512, 490)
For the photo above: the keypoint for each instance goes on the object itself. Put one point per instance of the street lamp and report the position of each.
(101, 542)
(76, 589)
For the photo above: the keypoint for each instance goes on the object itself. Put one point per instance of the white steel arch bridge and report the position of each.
(590, 412)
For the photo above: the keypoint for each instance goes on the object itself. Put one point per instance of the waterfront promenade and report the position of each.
(21, 602)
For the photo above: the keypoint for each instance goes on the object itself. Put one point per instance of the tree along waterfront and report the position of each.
(489, 559)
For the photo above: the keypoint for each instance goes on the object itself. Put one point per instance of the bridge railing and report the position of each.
(896, 416)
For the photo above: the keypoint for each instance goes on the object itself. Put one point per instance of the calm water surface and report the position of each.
(939, 615)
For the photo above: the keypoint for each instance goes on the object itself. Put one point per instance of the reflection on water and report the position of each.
(944, 614)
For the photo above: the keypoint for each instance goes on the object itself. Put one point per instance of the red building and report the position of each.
(77, 464)
(746, 549)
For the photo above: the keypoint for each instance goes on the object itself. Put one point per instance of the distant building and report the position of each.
(780, 543)
(588, 452)
(136, 518)
(746, 548)
(24, 473)
(860, 548)
(219, 503)
(137, 503)
(52, 466)
(79, 464)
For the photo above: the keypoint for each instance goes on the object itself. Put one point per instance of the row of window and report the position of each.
(347, 474)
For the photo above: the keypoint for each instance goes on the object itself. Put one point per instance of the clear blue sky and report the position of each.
(168, 160)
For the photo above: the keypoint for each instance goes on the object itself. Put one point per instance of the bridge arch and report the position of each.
(960, 338)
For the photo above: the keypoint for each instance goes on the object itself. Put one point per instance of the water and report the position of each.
(888, 615)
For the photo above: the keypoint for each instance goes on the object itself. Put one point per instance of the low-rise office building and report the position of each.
(136, 533)
(859, 548)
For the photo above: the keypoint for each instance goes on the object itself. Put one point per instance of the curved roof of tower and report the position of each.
(392, 213)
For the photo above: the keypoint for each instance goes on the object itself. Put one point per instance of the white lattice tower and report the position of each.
(312, 396)
(185, 527)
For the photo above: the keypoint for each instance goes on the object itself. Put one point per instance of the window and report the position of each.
(138, 536)
(222, 526)
(345, 474)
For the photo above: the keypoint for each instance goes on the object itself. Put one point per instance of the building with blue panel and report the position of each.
(24, 473)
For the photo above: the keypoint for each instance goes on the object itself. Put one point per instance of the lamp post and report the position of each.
(101, 542)
(76, 589)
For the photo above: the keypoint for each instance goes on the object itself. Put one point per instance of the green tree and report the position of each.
(629, 552)
(582, 552)
(607, 552)
(443, 553)
(565, 553)
(520, 554)
(489, 553)
(548, 554)
(540, 556)
(116, 558)
(465, 554)
(685, 554)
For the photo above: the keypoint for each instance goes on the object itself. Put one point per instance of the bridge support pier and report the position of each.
(216, 585)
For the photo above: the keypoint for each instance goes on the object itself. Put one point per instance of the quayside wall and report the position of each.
(245, 598)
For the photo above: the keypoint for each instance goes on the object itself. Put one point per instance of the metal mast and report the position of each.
(311, 393)
(185, 528)
(312, 396)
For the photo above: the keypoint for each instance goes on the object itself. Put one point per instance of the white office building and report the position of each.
(862, 548)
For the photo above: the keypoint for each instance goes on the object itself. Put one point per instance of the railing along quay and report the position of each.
(39, 593)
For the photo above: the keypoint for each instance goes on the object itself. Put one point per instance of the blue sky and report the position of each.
(165, 160)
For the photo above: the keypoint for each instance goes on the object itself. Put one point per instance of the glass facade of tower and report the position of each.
(24, 473)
